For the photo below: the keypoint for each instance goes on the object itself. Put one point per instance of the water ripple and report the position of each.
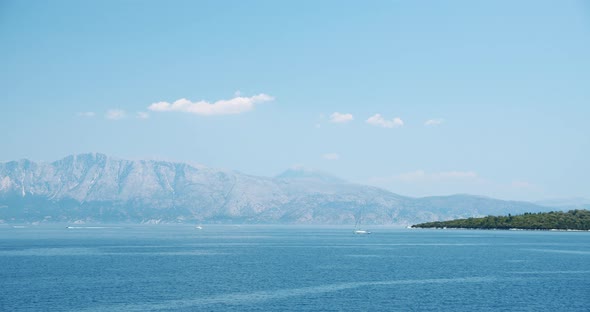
(576, 252)
(260, 296)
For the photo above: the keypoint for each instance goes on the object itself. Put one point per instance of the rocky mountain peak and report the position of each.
(94, 187)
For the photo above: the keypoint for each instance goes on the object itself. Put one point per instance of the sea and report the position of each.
(290, 268)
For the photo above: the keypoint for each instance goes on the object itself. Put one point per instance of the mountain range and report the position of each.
(96, 188)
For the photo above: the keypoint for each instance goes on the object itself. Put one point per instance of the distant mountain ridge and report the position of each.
(566, 203)
(96, 188)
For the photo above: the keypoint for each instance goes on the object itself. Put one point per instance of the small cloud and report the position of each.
(340, 118)
(237, 105)
(378, 120)
(86, 114)
(319, 121)
(521, 185)
(115, 114)
(433, 122)
(423, 176)
(456, 175)
(142, 115)
(331, 156)
(429, 183)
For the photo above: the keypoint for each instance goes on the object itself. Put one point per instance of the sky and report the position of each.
(418, 97)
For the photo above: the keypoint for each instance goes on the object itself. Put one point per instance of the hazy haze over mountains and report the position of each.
(97, 188)
(566, 203)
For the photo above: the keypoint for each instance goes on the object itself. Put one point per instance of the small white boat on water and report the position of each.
(357, 228)
(198, 227)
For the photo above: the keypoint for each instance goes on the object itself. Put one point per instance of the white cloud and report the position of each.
(142, 115)
(86, 114)
(337, 117)
(378, 120)
(433, 122)
(331, 156)
(237, 105)
(430, 183)
(423, 176)
(115, 114)
(456, 175)
(521, 185)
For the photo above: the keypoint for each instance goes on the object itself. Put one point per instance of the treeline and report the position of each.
(571, 220)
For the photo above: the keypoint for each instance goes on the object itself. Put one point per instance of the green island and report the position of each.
(578, 220)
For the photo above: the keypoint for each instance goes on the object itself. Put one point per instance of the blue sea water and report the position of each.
(290, 268)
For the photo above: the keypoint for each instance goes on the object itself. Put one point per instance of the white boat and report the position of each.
(198, 227)
(357, 229)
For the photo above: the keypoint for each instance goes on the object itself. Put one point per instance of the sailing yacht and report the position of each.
(357, 229)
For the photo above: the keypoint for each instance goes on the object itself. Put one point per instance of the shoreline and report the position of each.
(499, 229)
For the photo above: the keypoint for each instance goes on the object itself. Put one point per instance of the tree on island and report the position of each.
(559, 220)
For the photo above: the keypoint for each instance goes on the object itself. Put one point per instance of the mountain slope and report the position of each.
(98, 188)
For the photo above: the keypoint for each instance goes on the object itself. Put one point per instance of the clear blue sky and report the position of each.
(480, 97)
